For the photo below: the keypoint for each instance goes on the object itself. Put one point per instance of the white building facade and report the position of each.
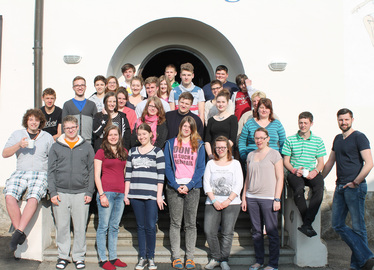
(328, 53)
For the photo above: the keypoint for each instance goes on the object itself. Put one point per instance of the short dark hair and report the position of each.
(222, 67)
(100, 78)
(344, 111)
(49, 91)
(307, 115)
(216, 82)
(128, 66)
(171, 66)
(37, 113)
(186, 95)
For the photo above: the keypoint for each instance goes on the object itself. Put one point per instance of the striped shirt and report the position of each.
(144, 172)
(304, 153)
(247, 142)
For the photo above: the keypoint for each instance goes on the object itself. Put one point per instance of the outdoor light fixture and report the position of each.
(277, 66)
(232, 1)
(72, 59)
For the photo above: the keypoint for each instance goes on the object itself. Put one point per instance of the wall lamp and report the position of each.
(72, 59)
(277, 66)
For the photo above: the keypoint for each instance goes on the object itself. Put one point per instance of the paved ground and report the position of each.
(338, 258)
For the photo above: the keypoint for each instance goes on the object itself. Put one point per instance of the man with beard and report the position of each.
(352, 154)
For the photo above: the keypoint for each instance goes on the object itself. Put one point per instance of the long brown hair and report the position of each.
(194, 137)
(229, 148)
(106, 97)
(160, 110)
(105, 145)
(168, 84)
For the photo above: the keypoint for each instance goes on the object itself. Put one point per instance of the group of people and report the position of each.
(145, 144)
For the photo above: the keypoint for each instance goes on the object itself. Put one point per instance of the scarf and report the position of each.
(152, 121)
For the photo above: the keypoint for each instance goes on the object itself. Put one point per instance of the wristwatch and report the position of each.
(277, 199)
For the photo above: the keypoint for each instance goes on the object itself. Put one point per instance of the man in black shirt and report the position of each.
(52, 113)
(173, 118)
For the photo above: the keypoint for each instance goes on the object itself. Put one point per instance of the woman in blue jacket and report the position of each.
(184, 169)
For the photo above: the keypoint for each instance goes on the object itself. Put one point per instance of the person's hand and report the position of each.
(104, 201)
(23, 142)
(217, 205)
(225, 203)
(127, 201)
(87, 199)
(312, 174)
(184, 189)
(350, 185)
(299, 172)
(248, 82)
(55, 199)
(161, 203)
(244, 204)
(276, 206)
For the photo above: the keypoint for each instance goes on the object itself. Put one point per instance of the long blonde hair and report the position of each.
(194, 137)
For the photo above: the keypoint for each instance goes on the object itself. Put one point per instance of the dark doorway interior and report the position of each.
(156, 65)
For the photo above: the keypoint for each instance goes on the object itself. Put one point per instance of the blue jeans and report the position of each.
(109, 219)
(146, 213)
(352, 200)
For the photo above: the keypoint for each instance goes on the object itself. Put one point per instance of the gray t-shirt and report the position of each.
(262, 178)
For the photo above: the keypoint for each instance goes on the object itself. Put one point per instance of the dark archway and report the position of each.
(156, 65)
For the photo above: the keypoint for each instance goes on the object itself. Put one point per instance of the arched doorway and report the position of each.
(185, 38)
(155, 63)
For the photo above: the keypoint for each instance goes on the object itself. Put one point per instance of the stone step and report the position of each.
(240, 255)
(128, 237)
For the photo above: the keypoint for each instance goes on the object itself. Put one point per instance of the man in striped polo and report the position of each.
(303, 158)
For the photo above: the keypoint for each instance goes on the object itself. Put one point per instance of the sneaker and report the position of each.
(225, 265)
(107, 265)
(18, 238)
(118, 262)
(151, 264)
(211, 264)
(141, 264)
(307, 230)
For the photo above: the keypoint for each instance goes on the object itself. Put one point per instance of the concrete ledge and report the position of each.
(310, 252)
(38, 232)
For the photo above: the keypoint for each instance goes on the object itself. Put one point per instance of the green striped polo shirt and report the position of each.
(304, 153)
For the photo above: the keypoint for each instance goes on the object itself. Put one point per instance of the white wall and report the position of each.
(308, 35)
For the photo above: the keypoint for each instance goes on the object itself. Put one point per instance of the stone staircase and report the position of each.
(242, 252)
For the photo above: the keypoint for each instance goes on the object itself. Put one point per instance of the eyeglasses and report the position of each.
(221, 148)
(70, 128)
(79, 85)
(152, 106)
(216, 88)
(260, 138)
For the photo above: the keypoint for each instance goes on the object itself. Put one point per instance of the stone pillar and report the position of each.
(38, 232)
(309, 252)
